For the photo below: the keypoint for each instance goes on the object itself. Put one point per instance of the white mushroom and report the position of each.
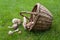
(16, 20)
(10, 27)
(24, 22)
(15, 26)
(29, 24)
(19, 32)
(16, 30)
(10, 32)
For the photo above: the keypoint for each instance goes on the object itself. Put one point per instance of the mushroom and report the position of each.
(10, 32)
(16, 20)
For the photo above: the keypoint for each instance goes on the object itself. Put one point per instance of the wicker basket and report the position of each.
(41, 17)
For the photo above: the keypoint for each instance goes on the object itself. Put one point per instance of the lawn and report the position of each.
(10, 9)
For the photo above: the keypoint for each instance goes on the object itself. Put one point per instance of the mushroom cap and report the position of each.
(16, 20)
(10, 32)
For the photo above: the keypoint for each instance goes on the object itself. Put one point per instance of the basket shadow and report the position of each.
(38, 33)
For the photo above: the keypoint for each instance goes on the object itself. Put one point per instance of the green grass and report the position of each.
(10, 9)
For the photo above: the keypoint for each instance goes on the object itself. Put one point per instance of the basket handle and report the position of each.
(33, 13)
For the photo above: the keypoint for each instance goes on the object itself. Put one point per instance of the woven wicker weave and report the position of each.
(41, 17)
